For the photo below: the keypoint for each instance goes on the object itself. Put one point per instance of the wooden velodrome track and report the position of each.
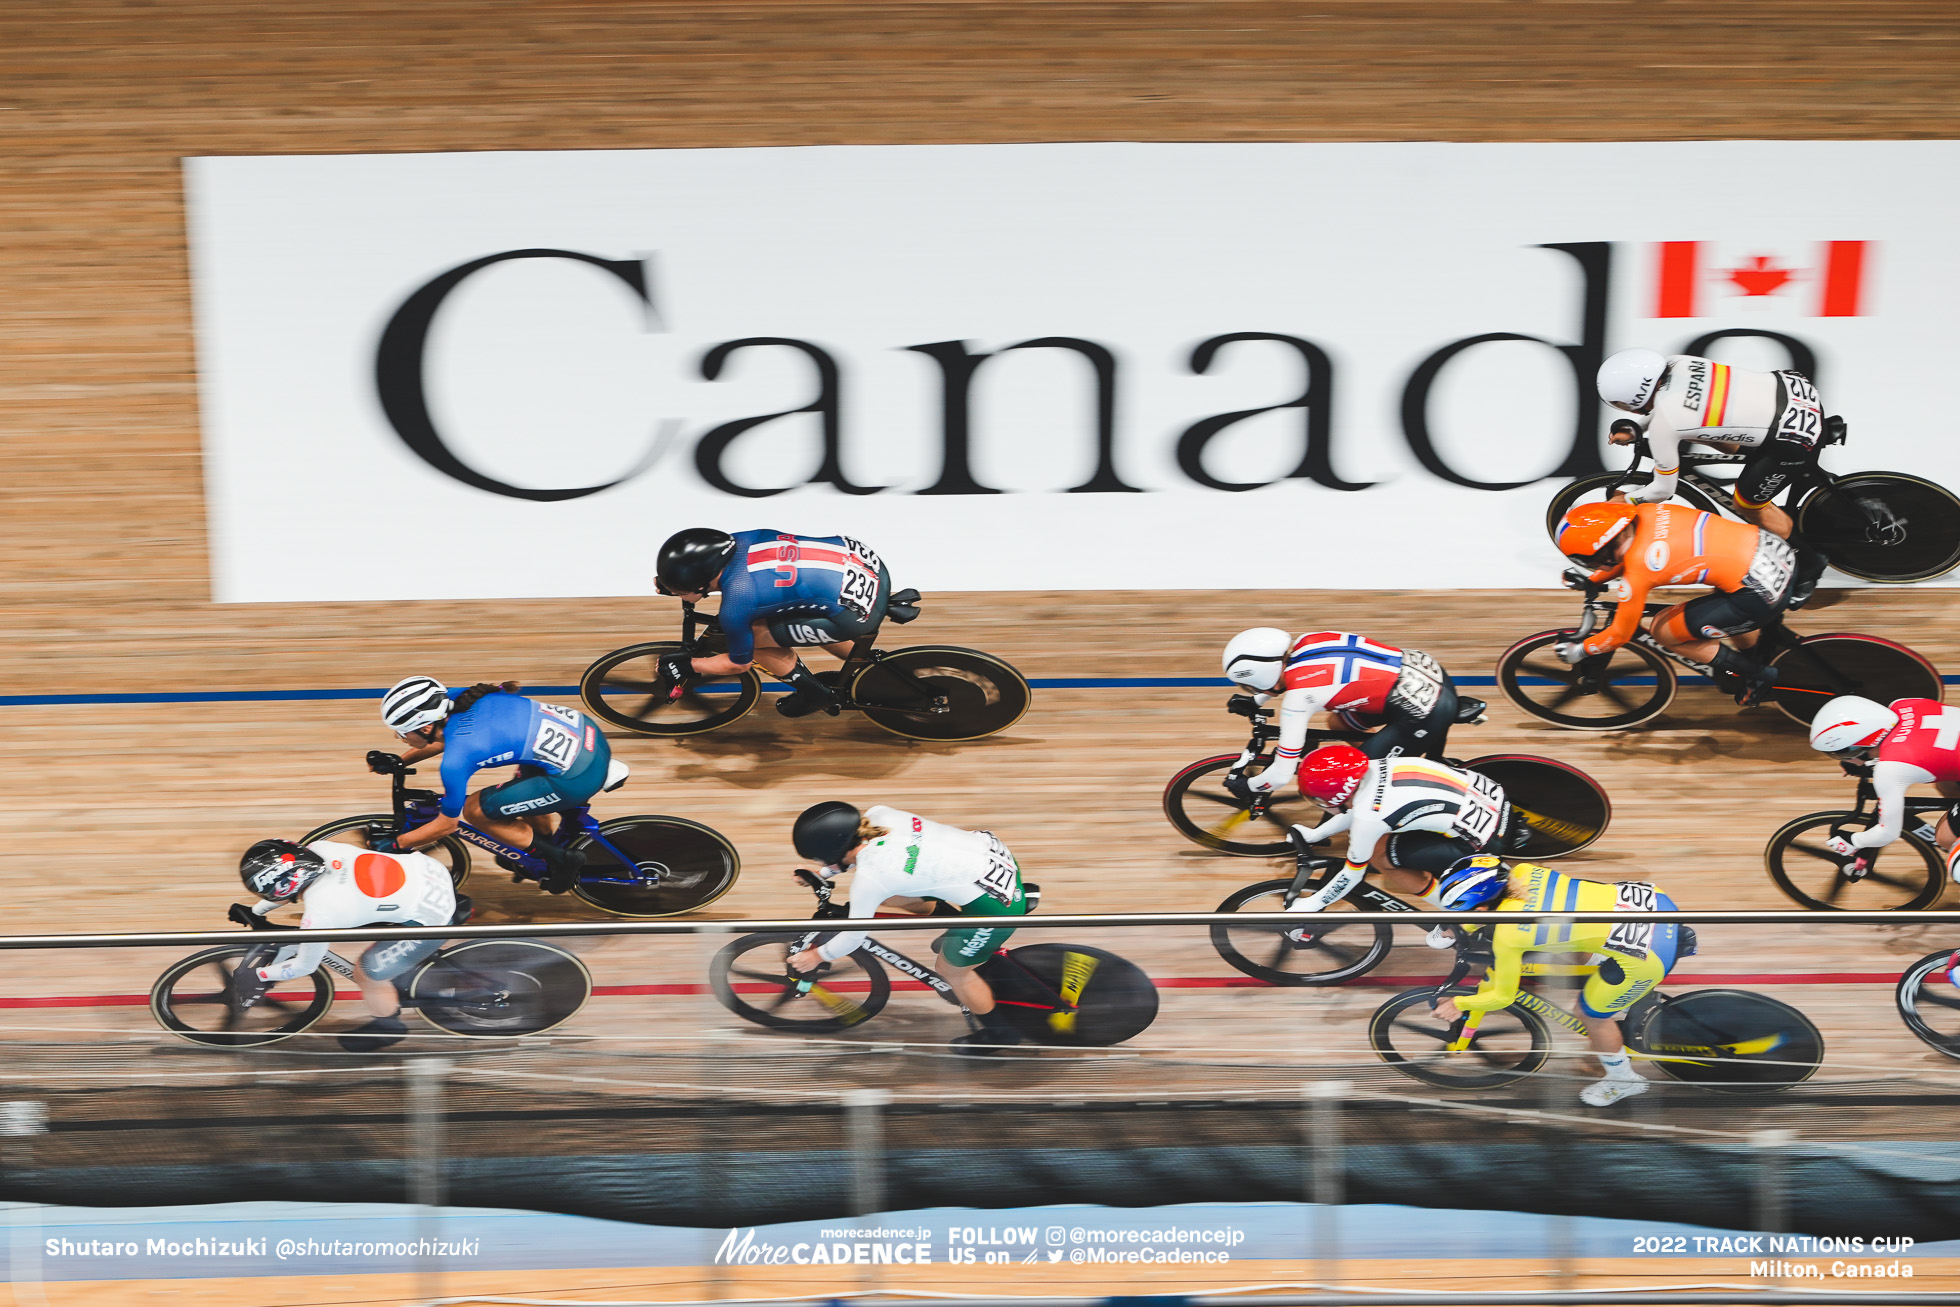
(129, 817)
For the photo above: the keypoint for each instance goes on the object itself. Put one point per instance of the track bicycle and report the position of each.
(925, 692)
(1210, 803)
(490, 988)
(641, 866)
(1905, 876)
(1929, 1002)
(1876, 526)
(1732, 1041)
(1056, 994)
(1633, 684)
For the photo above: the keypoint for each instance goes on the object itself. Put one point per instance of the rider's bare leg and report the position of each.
(1603, 1034)
(380, 997)
(969, 988)
(1398, 880)
(772, 657)
(1768, 516)
(514, 831)
(1944, 832)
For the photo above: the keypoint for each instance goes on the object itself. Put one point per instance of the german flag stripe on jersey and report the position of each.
(1717, 406)
(1427, 775)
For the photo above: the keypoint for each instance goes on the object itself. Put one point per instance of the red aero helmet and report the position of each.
(1330, 774)
(1586, 530)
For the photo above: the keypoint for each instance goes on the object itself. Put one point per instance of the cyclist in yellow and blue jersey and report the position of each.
(1632, 956)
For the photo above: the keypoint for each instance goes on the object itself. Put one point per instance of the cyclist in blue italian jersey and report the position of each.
(560, 755)
(779, 592)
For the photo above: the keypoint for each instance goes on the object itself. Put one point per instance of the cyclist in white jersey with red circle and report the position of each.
(1912, 742)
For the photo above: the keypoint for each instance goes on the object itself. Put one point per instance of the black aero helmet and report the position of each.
(279, 870)
(826, 832)
(691, 561)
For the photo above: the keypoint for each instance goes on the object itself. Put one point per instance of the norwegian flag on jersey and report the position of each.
(1811, 279)
(1340, 658)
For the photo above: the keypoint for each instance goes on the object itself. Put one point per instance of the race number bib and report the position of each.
(1634, 939)
(1002, 878)
(1420, 684)
(1770, 571)
(1802, 421)
(561, 732)
(1482, 811)
(859, 589)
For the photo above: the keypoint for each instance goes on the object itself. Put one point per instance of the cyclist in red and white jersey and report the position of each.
(1403, 695)
(1912, 742)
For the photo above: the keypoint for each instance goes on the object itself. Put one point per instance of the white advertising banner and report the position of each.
(1100, 366)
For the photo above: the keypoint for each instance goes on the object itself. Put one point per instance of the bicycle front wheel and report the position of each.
(500, 988)
(752, 979)
(940, 692)
(1885, 526)
(193, 999)
(1732, 1041)
(1508, 1045)
(1205, 812)
(1904, 876)
(1929, 1003)
(1564, 809)
(1114, 1000)
(621, 689)
(451, 852)
(1607, 692)
(1595, 489)
(1821, 667)
(1320, 950)
(675, 866)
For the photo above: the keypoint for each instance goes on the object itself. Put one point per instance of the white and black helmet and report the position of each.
(1628, 379)
(1851, 721)
(1256, 658)
(414, 702)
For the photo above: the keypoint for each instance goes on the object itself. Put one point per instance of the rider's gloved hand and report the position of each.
(676, 670)
(247, 987)
(1624, 427)
(383, 763)
(1841, 846)
(241, 914)
(1241, 705)
(1570, 651)
(1575, 578)
(385, 843)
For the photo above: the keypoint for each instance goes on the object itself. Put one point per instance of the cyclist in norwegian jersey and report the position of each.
(560, 755)
(779, 592)
(1633, 957)
(1641, 547)
(1403, 692)
(911, 864)
(1913, 742)
(341, 886)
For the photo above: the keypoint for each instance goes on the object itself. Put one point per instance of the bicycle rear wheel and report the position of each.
(1508, 1045)
(752, 979)
(1905, 876)
(1594, 489)
(1732, 1041)
(1929, 1003)
(1320, 950)
(619, 689)
(451, 852)
(1564, 809)
(1607, 692)
(193, 999)
(1885, 526)
(1818, 668)
(1205, 812)
(940, 692)
(1114, 1000)
(677, 866)
(500, 988)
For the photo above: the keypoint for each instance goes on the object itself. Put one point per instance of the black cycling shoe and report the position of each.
(380, 1033)
(563, 865)
(801, 703)
(987, 1041)
(1470, 712)
(1745, 678)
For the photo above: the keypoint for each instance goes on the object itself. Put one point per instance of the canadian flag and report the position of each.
(1823, 279)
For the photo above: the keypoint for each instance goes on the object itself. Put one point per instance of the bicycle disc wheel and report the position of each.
(940, 692)
(619, 690)
(1885, 526)
(1114, 1000)
(500, 988)
(1821, 667)
(1594, 489)
(1564, 809)
(1929, 1003)
(1508, 1045)
(451, 852)
(1606, 692)
(1327, 952)
(677, 866)
(192, 998)
(1906, 875)
(752, 979)
(1732, 1041)
(1205, 812)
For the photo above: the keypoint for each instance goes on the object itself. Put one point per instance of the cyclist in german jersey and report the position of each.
(561, 756)
(339, 887)
(906, 862)
(1633, 957)
(1912, 742)
(779, 592)
(1403, 695)
(1643, 547)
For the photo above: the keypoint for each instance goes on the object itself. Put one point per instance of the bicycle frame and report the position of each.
(333, 962)
(419, 807)
(1722, 492)
(1867, 799)
(696, 628)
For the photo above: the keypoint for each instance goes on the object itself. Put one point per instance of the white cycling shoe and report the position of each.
(1601, 1093)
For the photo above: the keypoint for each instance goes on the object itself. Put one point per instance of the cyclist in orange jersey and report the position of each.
(1639, 547)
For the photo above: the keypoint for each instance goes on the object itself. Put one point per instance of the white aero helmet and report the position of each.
(1850, 721)
(1255, 658)
(1628, 379)
(414, 702)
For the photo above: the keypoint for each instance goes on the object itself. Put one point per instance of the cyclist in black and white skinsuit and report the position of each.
(1686, 399)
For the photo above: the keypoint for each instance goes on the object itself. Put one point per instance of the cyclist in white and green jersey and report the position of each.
(910, 864)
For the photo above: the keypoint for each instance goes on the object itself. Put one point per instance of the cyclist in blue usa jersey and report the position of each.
(560, 755)
(779, 592)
